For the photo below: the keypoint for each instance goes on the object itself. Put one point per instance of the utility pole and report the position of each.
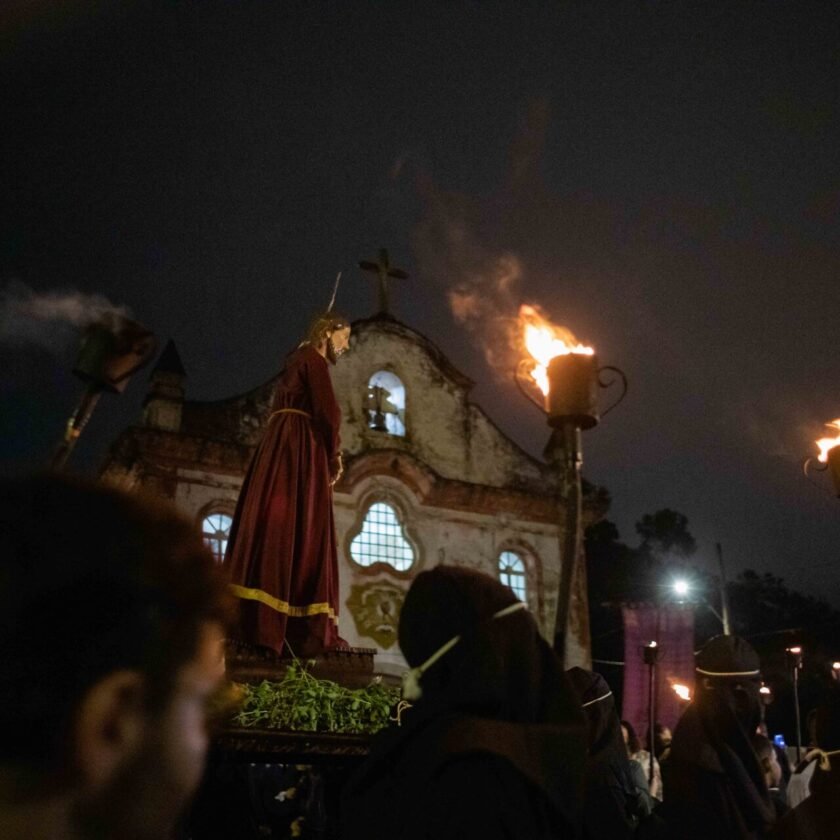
(724, 599)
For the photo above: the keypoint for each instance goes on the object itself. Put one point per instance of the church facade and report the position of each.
(429, 479)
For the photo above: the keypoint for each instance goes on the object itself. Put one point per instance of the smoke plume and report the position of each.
(482, 284)
(461, 244)
(51, 320)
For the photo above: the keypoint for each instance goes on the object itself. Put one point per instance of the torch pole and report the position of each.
(572, 460)
(75, 426)
(797, 710)
(650, 656)
(651, 718)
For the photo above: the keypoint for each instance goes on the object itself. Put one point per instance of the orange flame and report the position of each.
(544, 341)
(826, 444)
(682, 691)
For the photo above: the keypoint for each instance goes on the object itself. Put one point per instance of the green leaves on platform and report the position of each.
(302, 702)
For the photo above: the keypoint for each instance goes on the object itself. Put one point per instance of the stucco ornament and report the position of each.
(375, 608)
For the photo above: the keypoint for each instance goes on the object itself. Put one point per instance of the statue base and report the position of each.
(351, 667)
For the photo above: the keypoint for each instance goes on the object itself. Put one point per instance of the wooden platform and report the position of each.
(350, 667)
(244, 763)
(275, 746)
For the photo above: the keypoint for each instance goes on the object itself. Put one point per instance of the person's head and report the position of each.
(661, 737)
(768, 760)
(722, 721)
(501, 668)
(631, 739)
(729, 676)
(483, 679)
(112, 614)
(598, 704)
(329, 333)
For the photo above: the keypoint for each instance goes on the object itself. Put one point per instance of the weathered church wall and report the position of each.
(439, 536)
(462, 491)
(443, 428)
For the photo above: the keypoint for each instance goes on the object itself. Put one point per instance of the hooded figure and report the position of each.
(816, 817)
(716, 785)
(495, 745)
(612, 798)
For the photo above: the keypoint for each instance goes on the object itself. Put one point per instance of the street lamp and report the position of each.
(681, 587)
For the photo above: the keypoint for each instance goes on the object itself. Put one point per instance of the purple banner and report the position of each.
(672, 628)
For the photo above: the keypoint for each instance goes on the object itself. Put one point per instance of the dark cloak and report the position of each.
(716, 786)
(816, 817)
(494, 748)
(282, 549)
(611, 797)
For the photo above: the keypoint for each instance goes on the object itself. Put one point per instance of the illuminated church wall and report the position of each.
(429, 479)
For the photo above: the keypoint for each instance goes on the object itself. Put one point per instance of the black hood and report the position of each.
(500, 691)
(715, 733)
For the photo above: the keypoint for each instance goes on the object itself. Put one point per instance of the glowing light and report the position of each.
(835, 666)
(544, 341)
(681, 587)
(682, 691)
(652, 644)
(826, 444)
(795, 650)
(765, 690)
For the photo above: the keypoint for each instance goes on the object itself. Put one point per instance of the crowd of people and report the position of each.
(112, 622)
(461, 753)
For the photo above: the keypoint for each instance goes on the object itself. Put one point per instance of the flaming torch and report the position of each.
(829, 456)
(566, 372)
(112, 350)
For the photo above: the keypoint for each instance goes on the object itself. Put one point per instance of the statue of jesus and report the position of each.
(282, 554)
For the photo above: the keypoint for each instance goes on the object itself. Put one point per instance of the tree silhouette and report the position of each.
(666, 532)
(764, 610)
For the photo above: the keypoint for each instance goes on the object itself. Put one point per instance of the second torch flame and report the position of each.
(826, 444)
(544, 341)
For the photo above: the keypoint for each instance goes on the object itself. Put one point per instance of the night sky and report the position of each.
(663, 178)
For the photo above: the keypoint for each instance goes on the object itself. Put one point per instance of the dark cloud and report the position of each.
(660, 177)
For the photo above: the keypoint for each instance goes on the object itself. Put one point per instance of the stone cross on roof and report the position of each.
(383, 269)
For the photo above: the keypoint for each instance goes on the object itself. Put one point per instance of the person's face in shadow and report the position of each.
(138, 768)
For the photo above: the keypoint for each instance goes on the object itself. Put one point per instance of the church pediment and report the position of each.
(398, 391)
(433, 490)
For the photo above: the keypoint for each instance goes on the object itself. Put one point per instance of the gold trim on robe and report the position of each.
(284, 607)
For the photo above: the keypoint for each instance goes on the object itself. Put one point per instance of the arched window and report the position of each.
(386, 403)
(215, 527)
(382, 540)
(512, 573)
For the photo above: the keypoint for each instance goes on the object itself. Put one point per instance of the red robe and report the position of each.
(282, 549)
